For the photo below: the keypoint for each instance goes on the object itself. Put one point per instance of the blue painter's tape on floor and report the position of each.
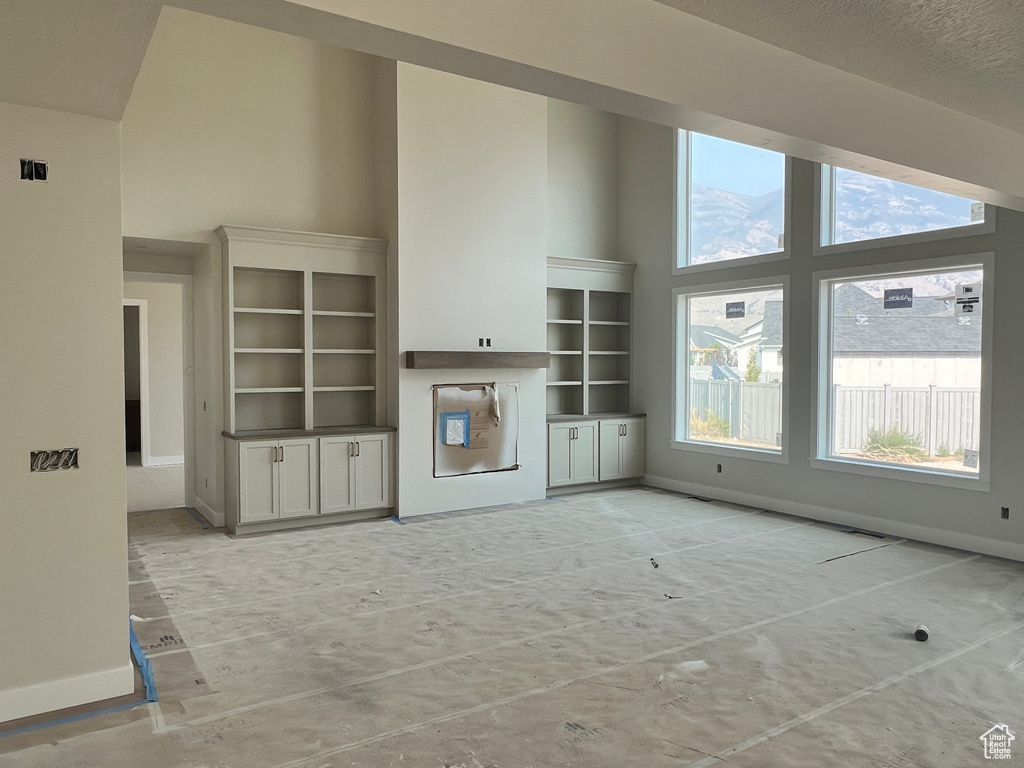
(71, 719)
(145, 665)
(198, 518)
(394, 518)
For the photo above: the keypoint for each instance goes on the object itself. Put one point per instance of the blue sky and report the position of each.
(735, 167)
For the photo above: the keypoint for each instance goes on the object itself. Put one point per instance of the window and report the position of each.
(729, 361)
(903, 366)
(857, 207)
(731, 200)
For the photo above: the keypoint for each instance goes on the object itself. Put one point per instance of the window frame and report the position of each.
(818, 248)
(681, 215)
(680, 368)
(822, 406)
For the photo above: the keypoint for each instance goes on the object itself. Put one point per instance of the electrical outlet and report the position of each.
(1004, 513)
(39, 170)
(481, 342)
(27, 169)
(719, 469)
(488, 341)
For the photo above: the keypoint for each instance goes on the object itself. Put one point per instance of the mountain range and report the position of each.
(727, 225)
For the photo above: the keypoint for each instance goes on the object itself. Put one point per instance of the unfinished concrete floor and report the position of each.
(543, 635)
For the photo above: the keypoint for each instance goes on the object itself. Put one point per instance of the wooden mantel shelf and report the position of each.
(474, 359)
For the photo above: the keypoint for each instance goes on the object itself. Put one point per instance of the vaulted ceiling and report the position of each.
(968, 56)
(935, 86)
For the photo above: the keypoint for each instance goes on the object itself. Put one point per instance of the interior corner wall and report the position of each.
(166, 369)
(63, 551)
(472, 197)
(583, 183)
(961, 518)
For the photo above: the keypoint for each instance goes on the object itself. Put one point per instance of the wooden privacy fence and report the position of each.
(752, 410)
(948, 417)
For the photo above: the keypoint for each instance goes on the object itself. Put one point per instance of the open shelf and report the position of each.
(268, 289)
(565, 305)
(565, 399)
(608, 397)
(342, 407)
(609, 307)
(269, 410)
(343, 293)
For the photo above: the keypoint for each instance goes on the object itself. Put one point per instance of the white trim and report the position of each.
(592, 265)
(681, 215)
(166, 461)
(925, 533)
(821, 186)
(914, 474)
(216, 519)
(821, 371)
(733, 451)
(16, 703)
(680, 325)
(265, 235)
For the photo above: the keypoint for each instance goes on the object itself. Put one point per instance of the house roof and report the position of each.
(706, 336)
(771, 328)
(901, 334)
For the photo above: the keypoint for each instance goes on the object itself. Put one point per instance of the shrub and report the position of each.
(712, 425)
(942, 451)
(894, 445)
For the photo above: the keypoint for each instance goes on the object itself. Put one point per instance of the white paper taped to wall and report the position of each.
(490, 415)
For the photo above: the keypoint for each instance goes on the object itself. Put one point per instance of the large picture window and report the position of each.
(903, 368)
(730, 357)
(856, 207)
(731, 200)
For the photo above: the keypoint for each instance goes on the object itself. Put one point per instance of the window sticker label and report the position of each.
(968, 299)
(977, 212)
(898, 298)
(735, 309)
(970, 458)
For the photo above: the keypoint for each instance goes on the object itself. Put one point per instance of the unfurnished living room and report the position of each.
(510, 385)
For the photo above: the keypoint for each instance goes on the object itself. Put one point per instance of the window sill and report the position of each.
(754, 454)
(906, 474)
(986, 227)
(712, 266)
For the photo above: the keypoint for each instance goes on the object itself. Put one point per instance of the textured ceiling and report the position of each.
(79, 57)
(967, 55)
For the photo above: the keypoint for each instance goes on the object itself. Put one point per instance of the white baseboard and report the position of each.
(16, 703)
(965, 541)
(216, 519)
(164, 461)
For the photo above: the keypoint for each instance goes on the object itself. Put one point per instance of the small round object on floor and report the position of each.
(921, 633)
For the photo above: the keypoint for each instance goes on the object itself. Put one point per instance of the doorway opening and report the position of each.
(158, 391)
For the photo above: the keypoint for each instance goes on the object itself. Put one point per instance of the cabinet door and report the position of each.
(584, 453)
(610, 463)
(298, 470)
(559, 454)
(257, 481)
(631, 448)
(373, 471)
(337, 491)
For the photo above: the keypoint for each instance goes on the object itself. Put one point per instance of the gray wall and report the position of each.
(966, 518)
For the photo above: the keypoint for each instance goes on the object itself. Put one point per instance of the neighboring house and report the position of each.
(713, 353)
(917, 347)
(766, 336)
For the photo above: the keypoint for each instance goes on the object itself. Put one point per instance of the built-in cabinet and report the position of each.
(307, 480)
(305, 327)
(622, 448)
(572, 453)
(356, 472)
(277, 479)
(592, 433)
